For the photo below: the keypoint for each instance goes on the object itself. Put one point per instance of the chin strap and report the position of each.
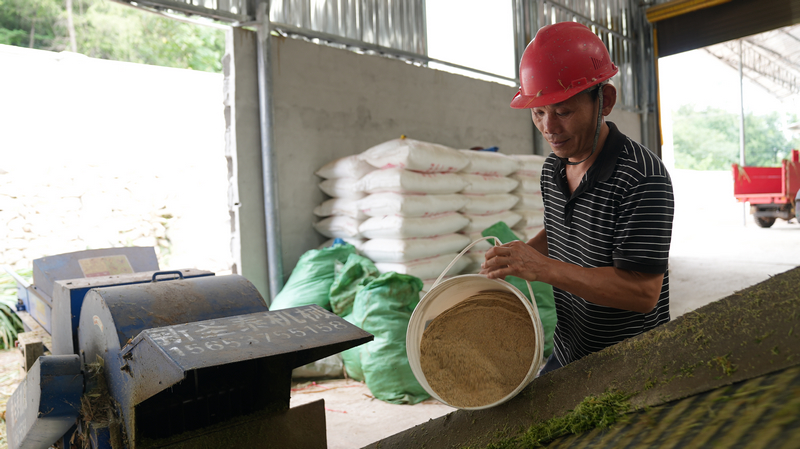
(596, 132)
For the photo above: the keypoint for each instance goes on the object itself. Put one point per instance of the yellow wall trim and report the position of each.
(677, 7)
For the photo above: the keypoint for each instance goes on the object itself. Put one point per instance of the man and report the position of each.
(608, 202)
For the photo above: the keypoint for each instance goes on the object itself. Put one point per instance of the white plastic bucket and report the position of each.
(442, 296)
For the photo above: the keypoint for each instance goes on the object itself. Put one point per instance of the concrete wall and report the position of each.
(331, 103)
(629, 123)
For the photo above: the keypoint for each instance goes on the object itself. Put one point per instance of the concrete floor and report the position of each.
(715, 251)
(354, 419)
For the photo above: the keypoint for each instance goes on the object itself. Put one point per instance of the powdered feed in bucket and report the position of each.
(480, 350)
(488, 341)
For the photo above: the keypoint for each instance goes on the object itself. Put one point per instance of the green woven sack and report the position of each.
(311, 279)
(352, 357)
(357, 272)
(383, 308)
(543, 292)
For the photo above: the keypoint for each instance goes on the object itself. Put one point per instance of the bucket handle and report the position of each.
(497, 242)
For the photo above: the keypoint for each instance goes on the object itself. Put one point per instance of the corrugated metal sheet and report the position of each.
(612, 21)
(400, 25)
(396, 24)
(224, 10)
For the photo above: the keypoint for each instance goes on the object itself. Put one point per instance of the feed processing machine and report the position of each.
(180, 359)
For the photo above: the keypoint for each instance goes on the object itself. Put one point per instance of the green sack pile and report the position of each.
(311, 279)
(382, 306)
(356, 273)
(340, 280)
(543, 292)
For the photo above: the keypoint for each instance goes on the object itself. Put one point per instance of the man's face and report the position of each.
(569, 127)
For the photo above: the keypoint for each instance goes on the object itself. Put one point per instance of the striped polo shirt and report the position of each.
(620, 215)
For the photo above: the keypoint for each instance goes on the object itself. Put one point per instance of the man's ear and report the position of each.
(609, 98)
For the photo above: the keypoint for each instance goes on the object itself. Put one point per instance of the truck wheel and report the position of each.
(797, 206)
(765, 222)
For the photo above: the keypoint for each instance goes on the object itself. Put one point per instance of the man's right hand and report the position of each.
(515, 259)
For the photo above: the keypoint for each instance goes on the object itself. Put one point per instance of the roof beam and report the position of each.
(222, 12)
(760, 62)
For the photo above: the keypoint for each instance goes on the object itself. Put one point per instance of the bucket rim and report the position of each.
(417, 315)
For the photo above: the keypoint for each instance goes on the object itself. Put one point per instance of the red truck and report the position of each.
(771, 191)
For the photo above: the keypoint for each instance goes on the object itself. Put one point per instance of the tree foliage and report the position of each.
(29, 23)
(709, 139)
(108, 30)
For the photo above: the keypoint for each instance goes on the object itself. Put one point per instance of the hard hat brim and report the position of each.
(522, 101)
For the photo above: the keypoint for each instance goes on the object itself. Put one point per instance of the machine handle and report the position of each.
(158, 273)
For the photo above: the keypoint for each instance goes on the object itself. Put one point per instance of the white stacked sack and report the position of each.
(411, 203)
(340, 214)
(489, 181)
(530, 206)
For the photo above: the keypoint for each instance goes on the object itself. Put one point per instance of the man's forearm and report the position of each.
(539, 242)
(607, 286)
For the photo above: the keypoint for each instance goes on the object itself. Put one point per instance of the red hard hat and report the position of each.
(562, 60)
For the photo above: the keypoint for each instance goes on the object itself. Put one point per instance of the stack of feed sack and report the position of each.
(340, 214)
(412, 202)
(488, 178)
(530, 206)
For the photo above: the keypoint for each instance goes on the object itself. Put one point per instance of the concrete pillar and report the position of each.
(243, 152)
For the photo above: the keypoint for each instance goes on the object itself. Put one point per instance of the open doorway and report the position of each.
(704, 103)
(701, 94)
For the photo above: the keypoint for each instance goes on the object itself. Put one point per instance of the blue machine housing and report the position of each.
(68, 296)
(60, 282)
(113, 316)
(49, 269)
(46, 404)
(187, 355)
